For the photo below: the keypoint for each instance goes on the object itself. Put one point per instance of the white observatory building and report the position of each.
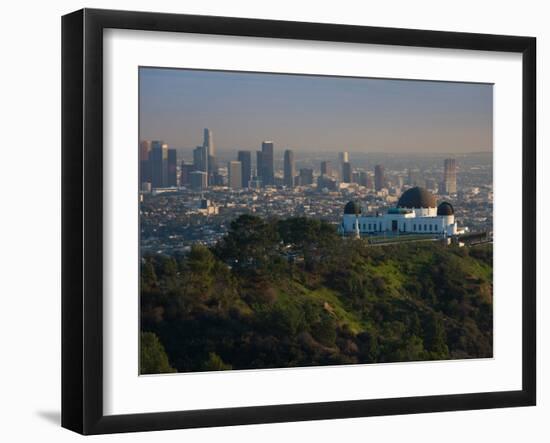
(416, 213)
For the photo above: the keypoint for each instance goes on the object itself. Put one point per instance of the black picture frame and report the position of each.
(82, 215)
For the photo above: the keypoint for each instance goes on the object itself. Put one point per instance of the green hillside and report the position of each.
(286, 293)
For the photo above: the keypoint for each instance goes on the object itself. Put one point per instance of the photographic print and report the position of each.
(291, 220)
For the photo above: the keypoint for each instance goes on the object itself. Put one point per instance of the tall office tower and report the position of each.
(364, 178)
(245, 157)
(200, 158)
(210, 153)
(144, 150)
(144, 164)
(209, 142)
(289, 168)
(306, 176)
(199, 180)
(159, 164)
(343, 157)
(379, 178)
(370, 182)
(268, 173)
(185, 171)
(346, 172)
(326, 168)
(197, 158)
(235, 180)
(212, 169)
(449, 176)
(259, 164)
(172, 179)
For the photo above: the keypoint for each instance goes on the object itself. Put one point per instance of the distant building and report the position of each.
(326, 168)
(259, 164)
(159, 164)
(146, 187)
(379, 178)
(289, 168)
(346, 172)
(144, 163)
(144, 149)
(165, 190)
(234, 180)
(268, 169)
(200, 158)
(449, 177)
(212, 169)
(199, 180)
(172, 179)
(206, 207)
(208, 142)
(343, 157)
(185, 171)
(208, 152)
(306, 176)
(218, 180)
(364, 179)
(326, 182)
(245, 157)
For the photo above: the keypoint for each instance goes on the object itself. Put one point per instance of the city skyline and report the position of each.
(158, 169)
(314, 113)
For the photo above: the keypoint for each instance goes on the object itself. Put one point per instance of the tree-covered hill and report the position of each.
(285, 293)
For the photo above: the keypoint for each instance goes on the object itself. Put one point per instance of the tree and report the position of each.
(436, 338)
(309, 236)
(249, 244)
(215, 363)
(153, 358)
(149, 282)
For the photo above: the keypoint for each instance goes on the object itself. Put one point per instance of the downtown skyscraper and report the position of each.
(379, 178)
(144, 163)
(159, 164)
(448, 186)
(346, 172)
(234, 175)
(208, 142)
(266, 168)
(245, 157)
(172, 168)
(289, 168)
(200, 158)
(306, 176)
(326, 168)
(210, 152)
(185, 171)
(343, 157)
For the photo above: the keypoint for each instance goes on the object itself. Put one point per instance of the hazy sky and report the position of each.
(314, 113)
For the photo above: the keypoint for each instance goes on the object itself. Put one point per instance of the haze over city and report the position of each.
(313, 113)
